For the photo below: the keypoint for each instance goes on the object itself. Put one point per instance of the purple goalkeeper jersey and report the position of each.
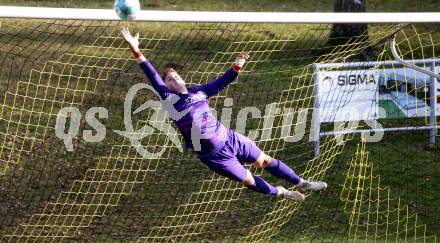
(200, 128)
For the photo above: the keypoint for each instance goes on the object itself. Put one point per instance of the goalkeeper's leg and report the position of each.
(248, 152)
(279, 169)
(258, 184)
(227, 165)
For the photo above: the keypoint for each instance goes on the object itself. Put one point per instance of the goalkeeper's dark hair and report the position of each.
(166, 71)
(171, 67)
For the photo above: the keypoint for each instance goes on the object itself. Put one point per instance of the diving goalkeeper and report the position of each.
(222, 150)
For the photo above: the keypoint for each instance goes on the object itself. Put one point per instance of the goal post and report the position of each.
(87, 152)
(221, 17)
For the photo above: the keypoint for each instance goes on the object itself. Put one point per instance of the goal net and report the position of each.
(61, 180)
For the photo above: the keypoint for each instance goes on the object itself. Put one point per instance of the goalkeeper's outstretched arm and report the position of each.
(214, 87)
(155, 79)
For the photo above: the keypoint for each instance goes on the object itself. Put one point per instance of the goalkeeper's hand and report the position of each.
(240, 60)
(133, 42)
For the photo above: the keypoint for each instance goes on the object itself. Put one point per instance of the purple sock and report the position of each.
(281, 170)
(263, 186)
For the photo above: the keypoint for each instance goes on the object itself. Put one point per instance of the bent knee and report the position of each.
(249, 180)
(263, 161)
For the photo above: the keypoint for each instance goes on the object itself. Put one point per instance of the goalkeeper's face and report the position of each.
(174, 82)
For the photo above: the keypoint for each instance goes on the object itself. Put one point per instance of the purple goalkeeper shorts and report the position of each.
(229, 161)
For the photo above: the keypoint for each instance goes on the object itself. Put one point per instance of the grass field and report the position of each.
(405, 162)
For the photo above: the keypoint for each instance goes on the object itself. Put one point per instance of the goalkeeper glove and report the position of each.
(240, 60)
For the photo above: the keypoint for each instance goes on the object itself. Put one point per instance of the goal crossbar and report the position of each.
(223, 17)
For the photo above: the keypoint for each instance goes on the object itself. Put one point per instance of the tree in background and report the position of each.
(343, 33)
